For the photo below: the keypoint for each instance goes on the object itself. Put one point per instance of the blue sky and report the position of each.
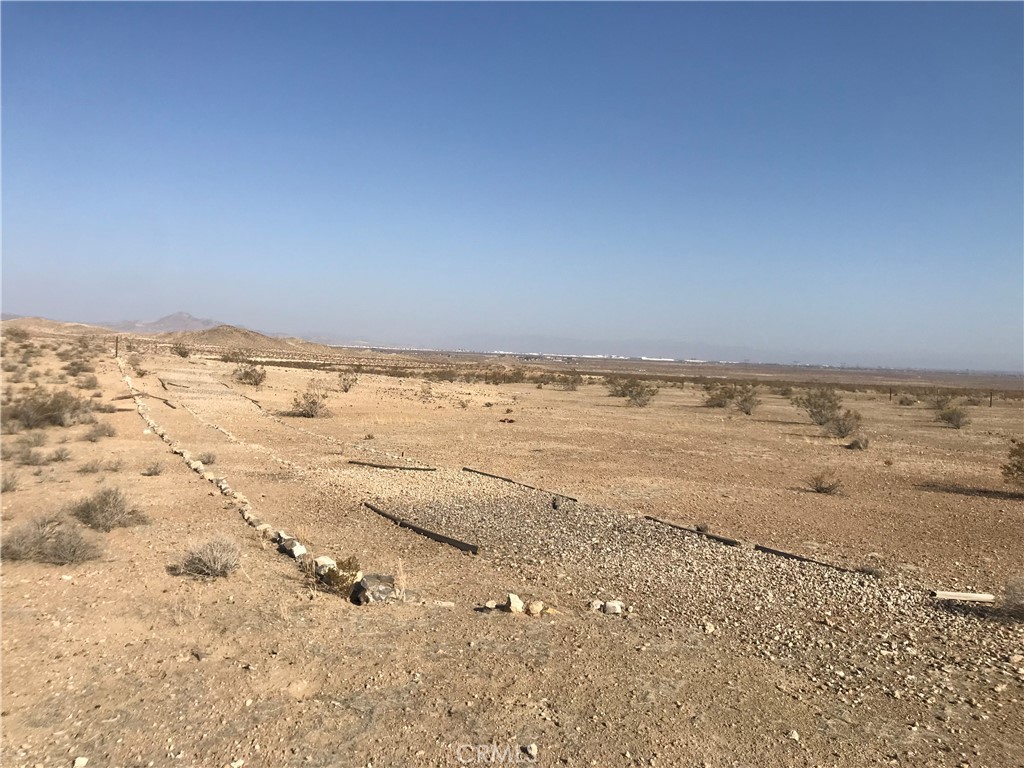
(836, 183)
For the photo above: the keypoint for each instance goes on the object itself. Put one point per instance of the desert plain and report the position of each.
(723, 654)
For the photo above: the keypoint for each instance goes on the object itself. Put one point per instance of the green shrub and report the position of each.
(248, 373)
(42, 408)
(718, 395)
(843, 425)
(1013, 469)
(312, 403)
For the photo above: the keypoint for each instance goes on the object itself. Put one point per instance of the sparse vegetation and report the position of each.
(312, 403)
(48, 539)
(87, 382)
(9, 483)
(638, 392)
(338, 580)
(15, 334)
(181, 349)
(745, 398)
(822, 405)
(207, 457)
(954, 416)
(249, 373)
(906, 400)
(940, 401)
(218, 557)
(107, 509)
(154, 469)
(1013, 597)
(347, 380)
(858, 444)
(61, 454)
(843, 425)
(90, 467)
(825, 482)
(99, 430)
(42, 408)
(1013, 469)
(717, 395)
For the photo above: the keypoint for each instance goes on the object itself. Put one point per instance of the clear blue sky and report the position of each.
(829, 182)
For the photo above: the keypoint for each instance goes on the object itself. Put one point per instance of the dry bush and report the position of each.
(60, 454)
(940, 401)
(906, 400)
(1013, 469)
(218, 557)
(717, 395)
(955, 417)
(207, 457)
(1013, 597)
(181, 349)
(68, 546)
(9, 483)
(821, 404)
(249, 373)
(47, 539)
(15, 334)
(825, 482)
(238, 356)
(569, 382)
(858, 444)
(78, 367)
(638, 392)
(339, 580)
(32, 458)
(347, 380)
(102, 429)
(88, 382)
(31, 440)
(843, 425)
(106, 510)
(153, 469)
(972, 399)
(43, 408)
(90, 467)
(312, 403)
(745, 398)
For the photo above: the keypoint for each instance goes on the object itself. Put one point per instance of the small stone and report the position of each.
(709, 628)
(535, 608)
(531, 751)
(793, 736)
(81, 762)
(596, 605)
(514, 603)
(613, 607)
(373, 588)
(491, 605)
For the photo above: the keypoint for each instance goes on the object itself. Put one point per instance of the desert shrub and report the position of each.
(207, 457)
(821, 404)
(1013, 469)
(90, 467)
(745, 398)
(32, 440)
(940, 401)
(15, 334)
(42, 408)
(569, 382)
(153, 469)
(248, 373)
(906, 400)
(1013, 597)
(68, 546)
(88, 382)
(638, 392)
(237, 356)
(218, 557)
(32, 458)
(346, 381)
(824, 482)
(104, 407)
(114, 465)
(107, 509)
(9, 483)
(47, 539)
(78, 367)
(181, 349)
(972, 399)
(312, 403)
(98, 430)
(843, 425)
(954, 416)
(717, 395)
(60, 454)
(858, 444)
(339, 580)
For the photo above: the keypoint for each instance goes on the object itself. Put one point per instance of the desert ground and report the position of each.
(721, 655)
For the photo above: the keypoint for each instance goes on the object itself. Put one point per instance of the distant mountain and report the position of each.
(176, 323)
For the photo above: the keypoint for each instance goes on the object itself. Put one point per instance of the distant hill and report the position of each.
(176, 323)
(233, 337)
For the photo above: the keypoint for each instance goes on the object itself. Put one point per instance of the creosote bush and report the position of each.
(45, 408)
(1013, 469)
(638, 392)
(346, 381)
(906, 400)
(825, 482)
(102, 429)
(218, 557)
(718, 395)
(181, 349)
(955, 417)
(312, 403)
(821, 404)
(843, 425)
(940, 401)
(745, 398)
(250, 373)
(106, 510)
(154, 469)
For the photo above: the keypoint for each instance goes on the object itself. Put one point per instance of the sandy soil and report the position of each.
(730, 656)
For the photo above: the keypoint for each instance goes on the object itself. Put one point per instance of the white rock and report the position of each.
(81, 762)
(613, 607)
(793, 735)
(514, 604)
(709, 628)
(324, 564)
(491, 605)
(531, 750)
(535, 608)
(596, 605)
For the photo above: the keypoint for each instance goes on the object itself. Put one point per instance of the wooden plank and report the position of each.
(713, 536)
(391, 466)
(970, 597)
(473, 549)
(516, 482)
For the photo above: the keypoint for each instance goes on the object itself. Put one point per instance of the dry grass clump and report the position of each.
(90, 467)
(207, 457)
(858, 444)
(181, 349)
(340, 580)
(311, 404)
(107, 509)
(825, 482)
(843, 425)
(636, 391)
(717, 395)
(347, 380)
(9, 483)
(218, 557)
(906, 400)
(48, 539)
(822, 405)
(154, 469)
(99, 430)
